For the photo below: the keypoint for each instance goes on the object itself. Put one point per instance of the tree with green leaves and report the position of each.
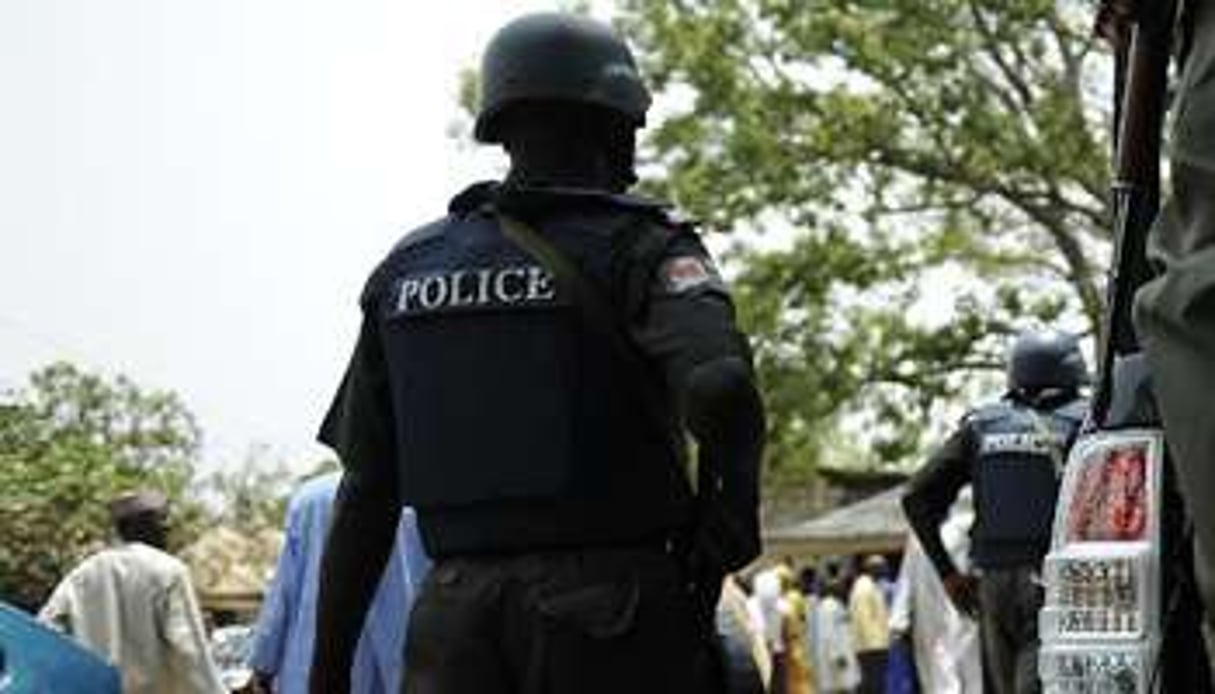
(69, 443)
(252, 497)
(916, 180)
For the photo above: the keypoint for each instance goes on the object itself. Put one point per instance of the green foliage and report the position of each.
(251, 497)
(68, 445)
(468, 92)
(879, 155)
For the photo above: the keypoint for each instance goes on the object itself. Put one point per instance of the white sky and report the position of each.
(193, 191)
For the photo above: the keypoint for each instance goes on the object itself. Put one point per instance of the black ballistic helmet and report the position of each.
(551, 56)
(1044, 360)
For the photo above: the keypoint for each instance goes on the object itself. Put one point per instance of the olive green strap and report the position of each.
(601, 316)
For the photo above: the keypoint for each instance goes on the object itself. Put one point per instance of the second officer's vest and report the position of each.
(1019, 453)
(518, 421)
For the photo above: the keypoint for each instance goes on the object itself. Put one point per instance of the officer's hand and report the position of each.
(963, 591)
(721, 542)
(704, 573)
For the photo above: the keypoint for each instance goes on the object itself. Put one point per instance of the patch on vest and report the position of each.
(1031, 443)
(688, 272)
(474, 288)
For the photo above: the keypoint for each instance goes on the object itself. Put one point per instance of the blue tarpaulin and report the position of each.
(35, 659)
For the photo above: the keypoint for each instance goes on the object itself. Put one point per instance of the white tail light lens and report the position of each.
(1101, 592)
(1110, 670)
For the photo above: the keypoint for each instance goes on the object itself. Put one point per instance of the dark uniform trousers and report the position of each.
(576, 622)
(1009, 601)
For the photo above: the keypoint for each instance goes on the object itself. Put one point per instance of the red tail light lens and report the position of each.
(1110, 501)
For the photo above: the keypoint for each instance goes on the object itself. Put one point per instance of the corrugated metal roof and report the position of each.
(227, 563)
(875, 523)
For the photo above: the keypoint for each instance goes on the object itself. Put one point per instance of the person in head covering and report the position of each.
(134, 604)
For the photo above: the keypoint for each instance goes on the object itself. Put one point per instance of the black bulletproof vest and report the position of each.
(1019, 453)
(518, 423)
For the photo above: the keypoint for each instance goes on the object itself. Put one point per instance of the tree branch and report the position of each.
(1064, 40)
(915, 380)
(963, 203)
(1055, 225)
(1039, 207)
(1098, 218)
(992, 48)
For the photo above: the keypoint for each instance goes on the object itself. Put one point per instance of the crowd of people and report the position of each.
(818, 629)
(843, 625)
(855, 626)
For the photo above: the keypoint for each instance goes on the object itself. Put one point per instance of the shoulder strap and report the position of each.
(589, 299)
(601, 316)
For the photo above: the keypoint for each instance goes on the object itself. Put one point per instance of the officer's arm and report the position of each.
(933, 490)
(725, 414)
(686, 325)
(359, 428)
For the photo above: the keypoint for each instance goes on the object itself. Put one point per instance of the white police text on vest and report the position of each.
(1020, 442)
(474, 288)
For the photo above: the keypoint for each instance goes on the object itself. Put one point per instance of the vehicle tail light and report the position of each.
(1101, 576)
(1109, 499)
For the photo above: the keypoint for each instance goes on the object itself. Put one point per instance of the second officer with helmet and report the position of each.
(1012, 453)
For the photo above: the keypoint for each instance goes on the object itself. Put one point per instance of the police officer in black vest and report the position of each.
(1012, 452)
(525, 371)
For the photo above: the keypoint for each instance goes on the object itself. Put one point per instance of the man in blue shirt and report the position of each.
(282, 649)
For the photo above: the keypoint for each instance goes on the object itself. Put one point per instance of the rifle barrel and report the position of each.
(1143, 63)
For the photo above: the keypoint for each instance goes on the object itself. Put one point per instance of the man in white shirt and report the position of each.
(830, 636)
(945, 641)
(134, 605)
